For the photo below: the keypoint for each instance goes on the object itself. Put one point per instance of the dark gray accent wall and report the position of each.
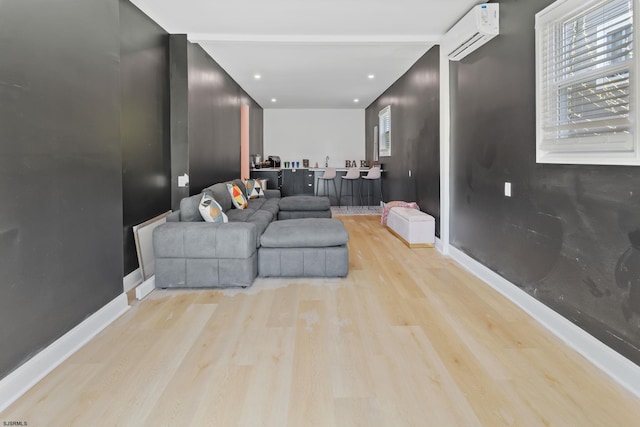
(570, 235)
(60, 170)
(256, 117)
(214, 122)
(146, 154)
(415, 136)
(205, 119)
(179, 114)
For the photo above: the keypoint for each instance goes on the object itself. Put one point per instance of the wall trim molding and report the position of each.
(28, 374)
(445, 152)
(419, 39)
(619, 368)
(146, 287)
(132, 280)
(439, 245)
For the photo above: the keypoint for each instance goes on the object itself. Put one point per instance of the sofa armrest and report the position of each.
(205, 240)
(174, 216)
(272, 194)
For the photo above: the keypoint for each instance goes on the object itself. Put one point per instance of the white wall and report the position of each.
(314, 134)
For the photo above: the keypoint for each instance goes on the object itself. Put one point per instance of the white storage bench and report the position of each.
(415, 228)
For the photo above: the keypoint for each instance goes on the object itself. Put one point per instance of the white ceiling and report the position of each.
(311, 54)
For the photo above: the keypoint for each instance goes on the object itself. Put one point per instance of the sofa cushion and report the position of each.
(257, 203)
(238, 199)
(272, 194)
(190, 209)
(286, 215)
(240, 215)
(221, 194)
(304, 203)
(305, 233)
(210, 210)
(271, 205)
(261, 219)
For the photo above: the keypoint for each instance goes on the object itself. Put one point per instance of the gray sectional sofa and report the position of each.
(191, 253)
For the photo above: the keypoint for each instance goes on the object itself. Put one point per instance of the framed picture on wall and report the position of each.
(384, 132)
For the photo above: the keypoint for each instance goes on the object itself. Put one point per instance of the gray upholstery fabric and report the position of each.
(239, 215)
(192, 253)
(261, 219)
(205, 272)
(270, 205)
(174, 216)
(189, 209)
(204, 240)
(257, 203)
(201, 273)
(304, 214)
(201, 254)
(304, 203)
(305, 233)
(170, 272)
(272, 194)
(222, 196)
(303, 262)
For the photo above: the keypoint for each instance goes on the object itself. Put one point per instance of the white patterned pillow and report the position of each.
(254, 188)
(211, 210)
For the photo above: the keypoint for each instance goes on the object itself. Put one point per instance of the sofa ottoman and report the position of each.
(295, 207)
(304, 247)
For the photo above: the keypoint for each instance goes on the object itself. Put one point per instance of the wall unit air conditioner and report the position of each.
(478, 26)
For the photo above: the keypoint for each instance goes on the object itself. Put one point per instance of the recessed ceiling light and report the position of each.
(371, 76)
(356, 100)
(257, 76)
(273, 100)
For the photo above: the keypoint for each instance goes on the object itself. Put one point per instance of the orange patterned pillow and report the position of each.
(238, 199)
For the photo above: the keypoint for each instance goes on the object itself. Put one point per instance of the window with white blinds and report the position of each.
(587, 88)
(384, 129)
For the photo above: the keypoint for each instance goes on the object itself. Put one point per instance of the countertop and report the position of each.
(343, 169)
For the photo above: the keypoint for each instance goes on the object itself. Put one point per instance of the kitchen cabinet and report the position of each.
(271, 175)
(296, 182)
(308, 182)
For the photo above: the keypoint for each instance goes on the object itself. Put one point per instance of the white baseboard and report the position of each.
(618, 367)
(27, 375)
(439, 246)
(146, 287)
(132, 280)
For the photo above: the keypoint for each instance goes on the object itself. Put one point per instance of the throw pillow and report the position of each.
(237, 197)
(211, 210)
(254, 188)
(263, 183)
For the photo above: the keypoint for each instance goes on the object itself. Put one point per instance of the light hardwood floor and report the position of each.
(407, 339)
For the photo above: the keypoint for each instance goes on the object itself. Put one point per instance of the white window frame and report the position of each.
(616, 150)
(384, 139)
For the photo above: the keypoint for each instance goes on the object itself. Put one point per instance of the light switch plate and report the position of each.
(507, 189)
